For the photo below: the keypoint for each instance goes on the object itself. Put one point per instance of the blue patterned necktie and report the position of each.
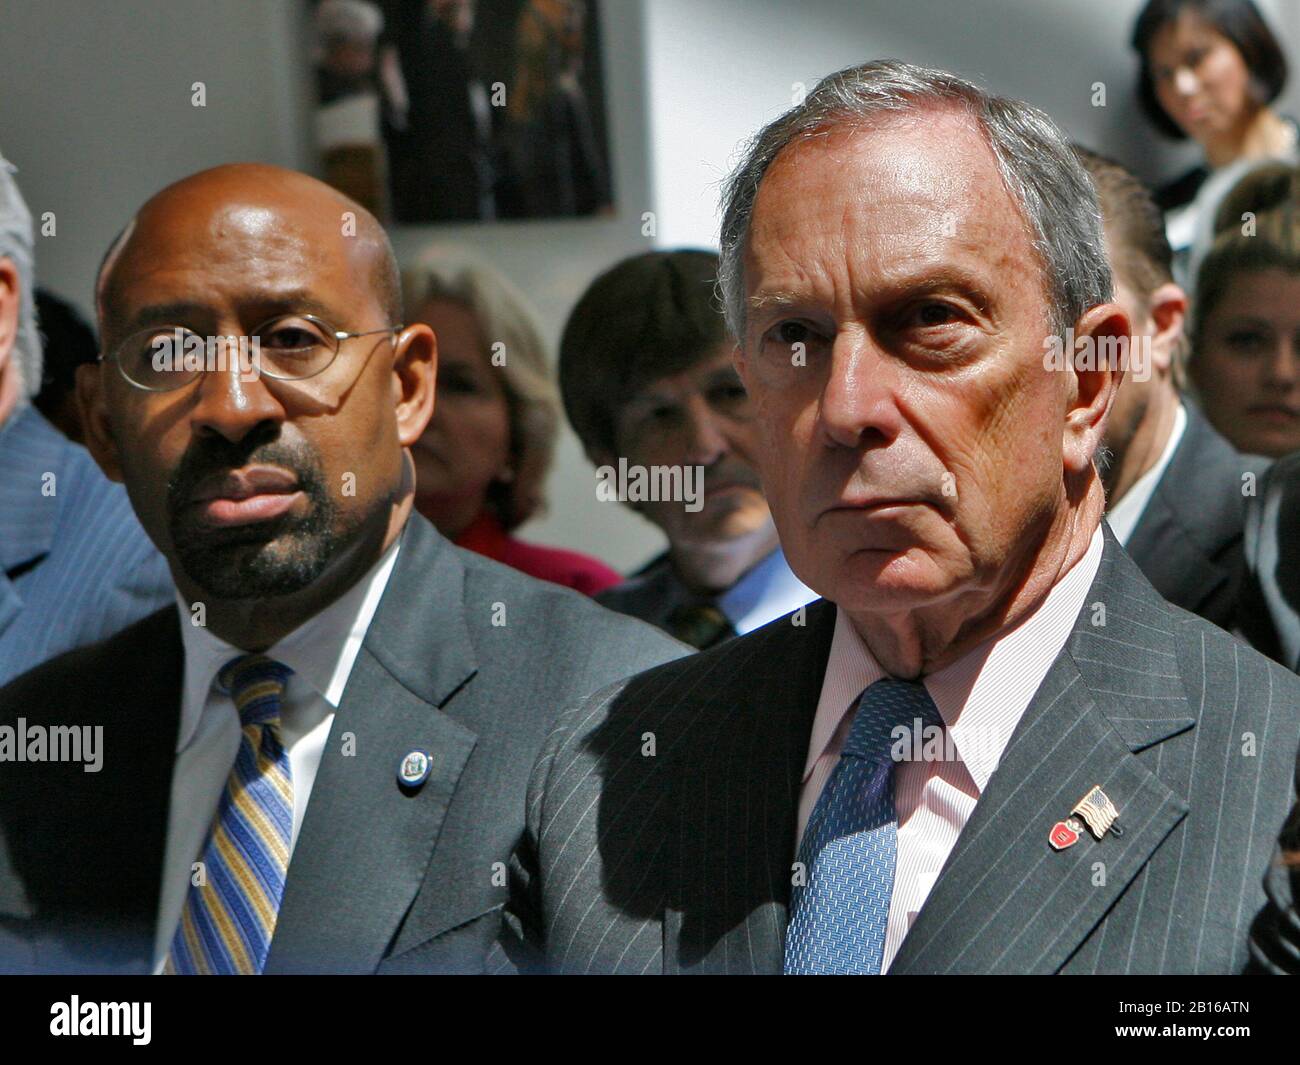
(227, 923)
(840, 908)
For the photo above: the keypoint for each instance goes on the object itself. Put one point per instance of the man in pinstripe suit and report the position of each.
(898, 253)
(75, 566)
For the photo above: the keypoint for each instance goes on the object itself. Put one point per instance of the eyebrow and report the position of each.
(947, 278)
(179, 312)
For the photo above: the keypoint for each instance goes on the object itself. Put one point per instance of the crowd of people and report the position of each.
(283, 688)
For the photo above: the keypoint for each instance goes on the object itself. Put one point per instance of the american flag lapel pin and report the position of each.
(1096, 811)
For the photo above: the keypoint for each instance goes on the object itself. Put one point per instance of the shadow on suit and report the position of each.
(680, 860)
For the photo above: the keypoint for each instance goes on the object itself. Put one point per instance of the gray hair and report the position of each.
(1037, 165)
(16, 245)
(504, 316)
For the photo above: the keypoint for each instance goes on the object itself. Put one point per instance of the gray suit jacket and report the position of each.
(661, 817)
(382, 879)
(1188, 542)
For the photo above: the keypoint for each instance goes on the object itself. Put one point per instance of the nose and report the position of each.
(1185, 82)
(1283, 369)
(858, 407)
(706, 442)
(232, 404)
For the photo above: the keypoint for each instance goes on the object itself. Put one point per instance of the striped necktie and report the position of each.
(839, 910)
(228, 920)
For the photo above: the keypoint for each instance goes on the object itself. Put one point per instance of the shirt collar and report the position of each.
(767, 591)
(1124, 516)
(982, 695)
(321, 650)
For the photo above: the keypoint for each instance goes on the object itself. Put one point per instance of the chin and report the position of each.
(883, 580)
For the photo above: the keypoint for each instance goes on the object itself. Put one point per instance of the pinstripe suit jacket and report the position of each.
(661, 817)
(75, 566)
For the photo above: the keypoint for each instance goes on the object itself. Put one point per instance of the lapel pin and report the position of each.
(414, 769)
(1096, 810)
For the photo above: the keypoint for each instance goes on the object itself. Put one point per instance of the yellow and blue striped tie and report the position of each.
(228, 919)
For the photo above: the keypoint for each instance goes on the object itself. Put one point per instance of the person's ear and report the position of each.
(10, 299)
(415, 374)
(96, 425)
(1104, 330)
(1168, 306)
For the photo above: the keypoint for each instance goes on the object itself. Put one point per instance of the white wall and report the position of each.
(720, 69)
(95, 111)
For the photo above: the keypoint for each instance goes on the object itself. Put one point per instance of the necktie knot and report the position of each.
(255, 683)
(700, 624)
(886, 706)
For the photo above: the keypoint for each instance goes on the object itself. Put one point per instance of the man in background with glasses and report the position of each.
(258, 397)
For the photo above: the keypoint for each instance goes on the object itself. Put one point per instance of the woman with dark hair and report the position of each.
(1210, 70)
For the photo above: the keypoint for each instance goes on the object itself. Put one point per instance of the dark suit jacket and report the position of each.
(1271, 590)
(381, 879)
(75, 566)
(680, 860)
(1188, 541)
(1271, 594)
(652, 593)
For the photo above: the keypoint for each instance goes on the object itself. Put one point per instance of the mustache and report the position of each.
(217, 455)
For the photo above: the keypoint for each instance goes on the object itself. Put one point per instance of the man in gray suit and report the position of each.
(1176, 490)
(992, 747)
(315, 759)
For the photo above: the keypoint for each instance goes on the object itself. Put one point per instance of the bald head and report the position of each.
(237, 203)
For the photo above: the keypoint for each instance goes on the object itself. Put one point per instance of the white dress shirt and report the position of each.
(980, 697)
(767, 591)
(321, 653)
(1124, 516)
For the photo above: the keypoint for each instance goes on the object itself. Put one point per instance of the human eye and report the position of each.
(1246, 341)
(291, 335)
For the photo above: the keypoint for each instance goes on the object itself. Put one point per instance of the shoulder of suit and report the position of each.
(93, 672)
(94, 505)
(756, 665)
(550, 616)
(1196, 632)
(1205, 486)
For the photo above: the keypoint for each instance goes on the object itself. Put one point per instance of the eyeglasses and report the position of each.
(292, 347)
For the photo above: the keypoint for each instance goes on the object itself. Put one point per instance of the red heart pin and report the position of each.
(1062, 836)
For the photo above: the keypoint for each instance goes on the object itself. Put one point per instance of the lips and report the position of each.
(242, 497)
(1275, 412)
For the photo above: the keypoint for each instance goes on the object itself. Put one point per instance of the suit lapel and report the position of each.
(1172, 561)
(1005, 900)
(736, 807)
(366, 841)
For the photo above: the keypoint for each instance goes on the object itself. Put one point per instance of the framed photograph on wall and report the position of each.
(462, 110)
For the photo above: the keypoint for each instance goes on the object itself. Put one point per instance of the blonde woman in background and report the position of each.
(481, 464)
(1245, 363)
